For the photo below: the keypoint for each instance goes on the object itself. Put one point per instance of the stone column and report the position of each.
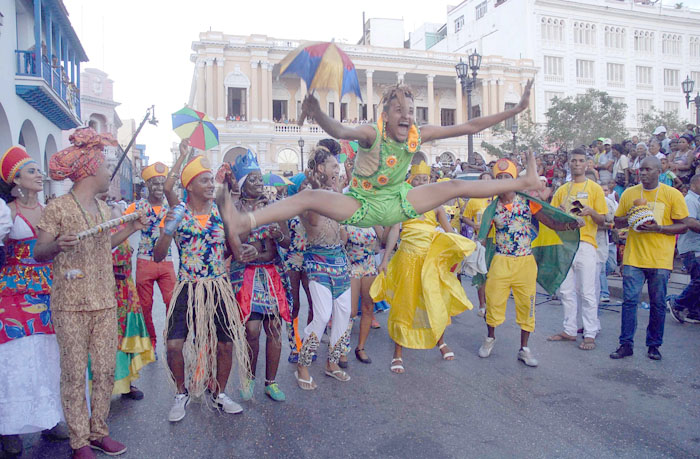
(201, 89)
(431, 100)
(210, 88)
(265, 84)
(486, 108)
(370, 94)
(269, 89)
(459, 119)
(220, 89)
(254, 93)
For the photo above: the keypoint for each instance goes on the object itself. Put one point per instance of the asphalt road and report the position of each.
(574, 404)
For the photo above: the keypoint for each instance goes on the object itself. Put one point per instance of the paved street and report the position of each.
(575, 403)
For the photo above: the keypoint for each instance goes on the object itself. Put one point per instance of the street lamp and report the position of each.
(301, 150)
(514, 130)
(468, 83)
(688, 86)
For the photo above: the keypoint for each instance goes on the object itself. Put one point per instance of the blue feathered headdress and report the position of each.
(245, 164)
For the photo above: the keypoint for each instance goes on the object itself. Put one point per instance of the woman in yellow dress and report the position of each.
(418, 282)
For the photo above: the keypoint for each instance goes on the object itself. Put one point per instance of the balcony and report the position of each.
(48, 90)
(585, 81)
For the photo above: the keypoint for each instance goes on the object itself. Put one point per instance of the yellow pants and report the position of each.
(518, 274)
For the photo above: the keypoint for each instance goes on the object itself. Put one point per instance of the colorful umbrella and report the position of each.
(271, 179)
(196, 126)
(323, 65)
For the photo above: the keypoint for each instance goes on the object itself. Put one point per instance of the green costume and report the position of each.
(379, 181)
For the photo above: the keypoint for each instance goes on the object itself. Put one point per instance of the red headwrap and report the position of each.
(83, 158)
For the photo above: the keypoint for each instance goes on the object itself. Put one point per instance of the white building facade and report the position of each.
(39, 78)
(637, 51)
(237, 83)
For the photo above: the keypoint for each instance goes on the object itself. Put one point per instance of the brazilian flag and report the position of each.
(554, 251)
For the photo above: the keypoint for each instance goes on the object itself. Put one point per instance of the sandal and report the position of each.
(397, 367)
(305, 384)
(360, 358)
(375, 325)
(449, 355)
(340, 375)
(588, 344)
(561, 337)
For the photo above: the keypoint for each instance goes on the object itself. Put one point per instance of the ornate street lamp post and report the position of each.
(301, 150)
(468, 83)
(688, 86)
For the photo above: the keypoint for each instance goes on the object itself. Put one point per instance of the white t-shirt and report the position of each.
(621, 165)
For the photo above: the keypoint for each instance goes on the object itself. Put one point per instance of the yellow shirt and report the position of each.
(589, 193)
(652, 250)
(475, 209)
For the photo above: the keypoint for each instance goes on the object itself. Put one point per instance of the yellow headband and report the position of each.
(505, 166)
(198, 165)
(420, 169)
(154, 170)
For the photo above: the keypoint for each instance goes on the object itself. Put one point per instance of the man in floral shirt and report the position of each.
(513, 266)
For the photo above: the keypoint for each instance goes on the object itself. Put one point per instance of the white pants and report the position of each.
(581, 285)
(323, 306)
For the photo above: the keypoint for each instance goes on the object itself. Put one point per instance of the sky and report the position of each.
(145, 45)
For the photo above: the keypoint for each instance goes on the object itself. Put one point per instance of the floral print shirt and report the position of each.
(514, 228)
(201, 249)
(150, 234)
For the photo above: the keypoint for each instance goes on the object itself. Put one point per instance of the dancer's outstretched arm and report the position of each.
(428, 197)
(430, 132)
(364, 134)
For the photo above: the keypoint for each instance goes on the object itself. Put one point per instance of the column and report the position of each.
(265, 99)
(37, 37)
(431, 100)
(210, 88)
(493, 96)
(254, 97)
(486, 109)
(269, 89)
(199, 101)
(370, 94)
(459, 119)
(220, 89)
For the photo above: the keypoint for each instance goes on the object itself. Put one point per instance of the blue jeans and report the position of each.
(690, 297)
(609, 267)
(632, 281)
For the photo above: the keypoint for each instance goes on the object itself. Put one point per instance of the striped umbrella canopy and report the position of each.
(271, 179)
(323, 65)
(189, 123)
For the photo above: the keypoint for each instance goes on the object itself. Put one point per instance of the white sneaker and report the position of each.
(177, 412)
(225, 403)
(526, 357)
(481, 312)
(487, 347)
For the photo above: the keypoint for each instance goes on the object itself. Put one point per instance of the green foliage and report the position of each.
(574, 121)
(670, 120)
(528, 137)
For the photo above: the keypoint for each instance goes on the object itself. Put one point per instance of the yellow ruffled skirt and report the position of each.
(422, 290)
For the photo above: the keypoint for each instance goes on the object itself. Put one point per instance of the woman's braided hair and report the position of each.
(319, 155)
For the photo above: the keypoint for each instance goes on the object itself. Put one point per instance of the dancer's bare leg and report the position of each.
(428, 197)
(330, 204)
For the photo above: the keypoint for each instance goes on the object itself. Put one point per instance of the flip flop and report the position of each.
(588, 344)
(309, 381)
(561, 337)
(447, 355)
(397, 366)
(340, 375)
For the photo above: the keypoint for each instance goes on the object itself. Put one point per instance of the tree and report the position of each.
(578, 120)
(529, 137)
(669, 119)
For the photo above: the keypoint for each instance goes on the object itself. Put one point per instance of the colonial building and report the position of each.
(39, 79)
(638, 51)
(238, 84)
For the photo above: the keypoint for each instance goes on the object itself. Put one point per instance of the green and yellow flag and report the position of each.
(554, 251)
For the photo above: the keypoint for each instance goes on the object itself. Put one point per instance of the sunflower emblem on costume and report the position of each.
(382, 180)
(391, 161)
(413, 138)
(354, 182)
(366, 185)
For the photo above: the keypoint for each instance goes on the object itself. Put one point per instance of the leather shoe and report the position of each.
(625, 350)
(654, 353)
(83, 453)
(108, 446)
